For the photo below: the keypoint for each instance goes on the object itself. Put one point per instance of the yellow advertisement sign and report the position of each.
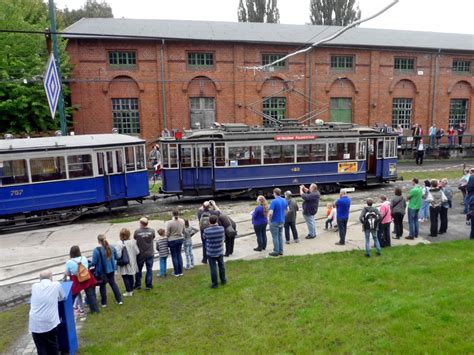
(347, 167)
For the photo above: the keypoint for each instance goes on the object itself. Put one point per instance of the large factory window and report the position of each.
(126, 115)
(274, 108)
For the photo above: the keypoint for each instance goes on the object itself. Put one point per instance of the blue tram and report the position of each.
(235, 158)
(46, 178)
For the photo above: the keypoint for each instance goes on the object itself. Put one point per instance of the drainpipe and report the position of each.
(310, 90)
(163, 87)
(435, 84)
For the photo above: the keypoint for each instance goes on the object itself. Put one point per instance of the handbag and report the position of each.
(125, 258)
(443, 197)
(83, 273)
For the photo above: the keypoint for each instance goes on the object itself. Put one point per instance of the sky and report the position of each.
(454, 16)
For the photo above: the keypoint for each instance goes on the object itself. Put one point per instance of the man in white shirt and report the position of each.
(44, 314)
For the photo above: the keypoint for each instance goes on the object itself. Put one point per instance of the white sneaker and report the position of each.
(120, 303)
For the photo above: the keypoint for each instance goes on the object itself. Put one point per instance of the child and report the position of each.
(163, 250)
(330, 213)
(188, 244)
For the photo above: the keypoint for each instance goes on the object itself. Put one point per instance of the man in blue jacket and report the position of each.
(343, 205)
(276, 217)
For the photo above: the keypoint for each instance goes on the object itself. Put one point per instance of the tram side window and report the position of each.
(380, 149)
(206, 157)
(362, 150)
(100, 163)
(140, 157)
(119, 161)
(311, 152)
(277, 154)
(173, 158)
(129, 159)
(110, 163)
(220, 154)
(79, 166)
(248, 155)
(164, 155)
(13, 172)
(186, 154)
(47, 169)
(341, 151)
(390, 148)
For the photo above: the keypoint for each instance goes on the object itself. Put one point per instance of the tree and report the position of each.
(92, 8)
(258, 11)
(333, 12)
(23, 105)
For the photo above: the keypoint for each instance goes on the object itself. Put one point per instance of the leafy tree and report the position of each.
(92, 8)
(333, 12)
(23, 105)
(258, 11)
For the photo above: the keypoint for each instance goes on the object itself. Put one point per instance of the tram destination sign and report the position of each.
(294, 138)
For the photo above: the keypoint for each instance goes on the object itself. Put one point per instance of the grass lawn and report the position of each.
(453, 175)
(411, 300)
(13, 324)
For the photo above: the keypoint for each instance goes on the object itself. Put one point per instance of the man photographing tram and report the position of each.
(310, 198)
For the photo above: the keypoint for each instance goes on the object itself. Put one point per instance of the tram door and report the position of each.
(196, 167)
(111, 165)
(371, 157)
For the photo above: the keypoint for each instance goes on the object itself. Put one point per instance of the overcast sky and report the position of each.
(421, 15)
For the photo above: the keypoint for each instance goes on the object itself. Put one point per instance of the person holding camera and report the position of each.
(310, 198)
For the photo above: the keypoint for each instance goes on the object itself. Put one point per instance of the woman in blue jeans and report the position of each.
(104, 259)
(175, 234)
(260, 221)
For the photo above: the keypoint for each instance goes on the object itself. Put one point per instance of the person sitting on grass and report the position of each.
(370, 219)
(163, 251)
(188, 244)
(214, 236)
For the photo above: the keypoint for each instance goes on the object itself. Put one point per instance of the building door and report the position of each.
(203, 112)
(341, 109)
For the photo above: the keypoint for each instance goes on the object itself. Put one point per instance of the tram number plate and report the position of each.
(295, 169)
(15, 193)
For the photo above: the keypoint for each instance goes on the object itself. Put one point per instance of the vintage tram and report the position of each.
(236, 158)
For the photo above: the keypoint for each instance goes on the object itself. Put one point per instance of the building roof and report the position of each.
(66, 142)
(265, 33)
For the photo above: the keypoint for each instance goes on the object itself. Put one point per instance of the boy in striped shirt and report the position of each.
(214, 236)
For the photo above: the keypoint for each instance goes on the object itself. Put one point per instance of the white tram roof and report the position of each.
(67, 142)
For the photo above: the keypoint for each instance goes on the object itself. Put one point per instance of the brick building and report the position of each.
(142, 76)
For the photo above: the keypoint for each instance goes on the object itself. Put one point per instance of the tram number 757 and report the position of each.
(15, 193)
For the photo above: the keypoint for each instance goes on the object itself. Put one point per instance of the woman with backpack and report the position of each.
(77, 269)
(104, 260)
(127, 251)
(397, 207)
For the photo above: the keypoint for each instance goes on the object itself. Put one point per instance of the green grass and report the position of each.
(411, 300)
(155, 187)
(164, 216)
(13, 324)
(428, 175)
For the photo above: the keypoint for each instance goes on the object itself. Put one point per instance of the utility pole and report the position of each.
(53, 36)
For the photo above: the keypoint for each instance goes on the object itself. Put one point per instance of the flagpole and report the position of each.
(52, 19)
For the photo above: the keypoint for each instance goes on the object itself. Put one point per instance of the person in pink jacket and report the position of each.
(385, 220)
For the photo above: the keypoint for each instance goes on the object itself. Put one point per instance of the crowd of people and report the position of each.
(218, 231)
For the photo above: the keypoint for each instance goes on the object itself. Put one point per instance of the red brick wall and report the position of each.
(372, 84)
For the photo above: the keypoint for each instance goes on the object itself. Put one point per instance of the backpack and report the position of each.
(204, 221)
(125, 258)
(82, 273)
(371, 220)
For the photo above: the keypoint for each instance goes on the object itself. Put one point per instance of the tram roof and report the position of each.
(66, 142)
(232, 132)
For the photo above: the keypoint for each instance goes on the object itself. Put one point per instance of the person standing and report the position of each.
(417, 134)
(435, 200)
(470, 218)
(460, 133)
(414, 205)
(343, 206)
(144, 237)
(451, 133)
(207, 209)
(370, 219)
(445, 206)
(163, 250)
(290, 218)
(432, 133)
(397, 207)
(385, 220)
(129, 270)
(399, 131)
(175, 235)
(420, 153)
(188, 244)
(259, 222)
(44, 313)
(439, 135)
(276, 216)
(230, 231)
(155, 156)
(104, 260)
(310, 198)
(425, 205)
(72, 268)
(469, 191)
(215, 236)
